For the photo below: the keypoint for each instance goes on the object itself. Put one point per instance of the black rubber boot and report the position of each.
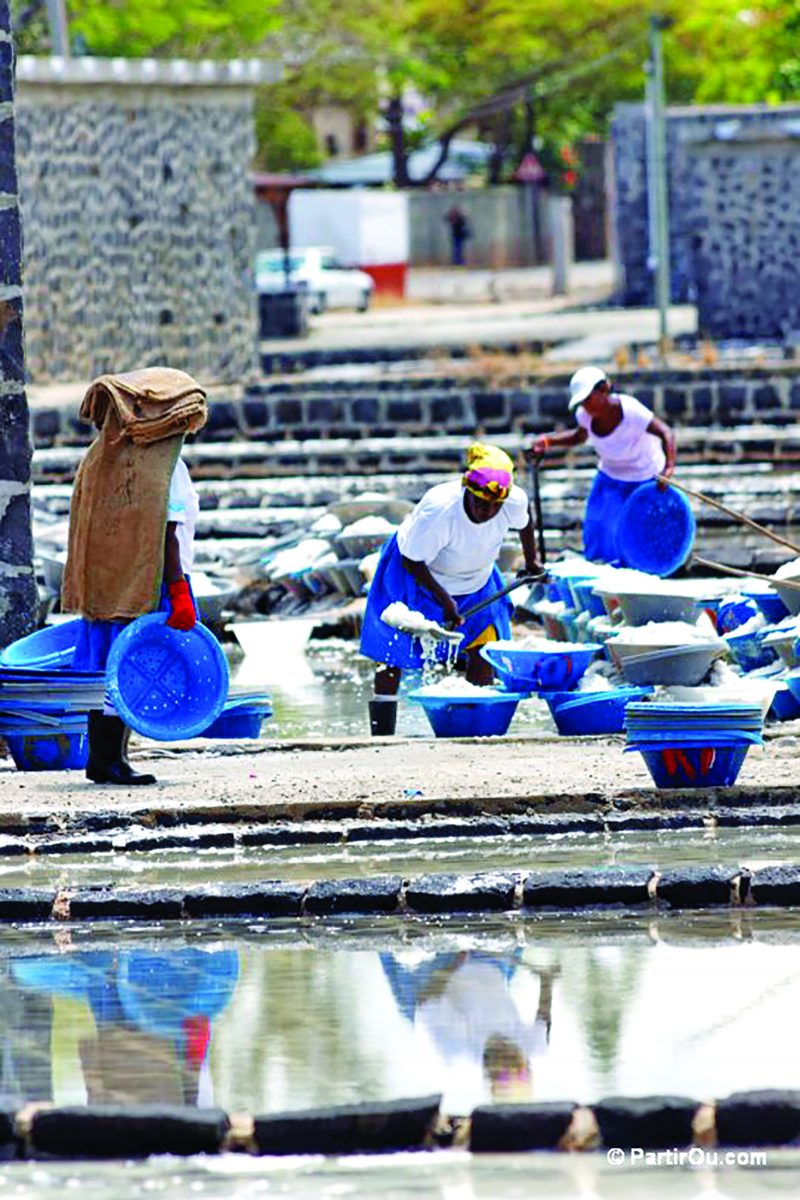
(383, 717)
(108, 740)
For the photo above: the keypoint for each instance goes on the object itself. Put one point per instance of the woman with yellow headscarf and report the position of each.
(441, 561)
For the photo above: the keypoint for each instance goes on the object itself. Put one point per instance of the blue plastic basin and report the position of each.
(52, 647)
(733, 613)
(656, 530)
(584, 598)
(49, 752)
(237, 723)
(749, 651)
(785, 706)
(450, 716)
(541, 670)
(165, 683)
(694, 766)
(592, 712)
(771, 605)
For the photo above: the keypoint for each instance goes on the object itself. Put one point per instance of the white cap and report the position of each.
(584, 382)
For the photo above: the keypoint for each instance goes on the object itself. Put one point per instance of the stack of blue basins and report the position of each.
(245, 711)
(693, 745)
(43, 715)
(578, 714)
(554, 675)
(43, 704)
(563, 578)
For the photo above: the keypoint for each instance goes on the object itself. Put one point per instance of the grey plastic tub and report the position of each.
(639, 608)
(789, 595)
(687, 665)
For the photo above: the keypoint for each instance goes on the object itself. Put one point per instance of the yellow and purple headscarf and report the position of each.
(489, 473)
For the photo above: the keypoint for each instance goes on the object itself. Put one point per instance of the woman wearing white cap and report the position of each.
(633, 447)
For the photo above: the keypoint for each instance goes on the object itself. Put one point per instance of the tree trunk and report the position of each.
(393, 114)
(502, 138)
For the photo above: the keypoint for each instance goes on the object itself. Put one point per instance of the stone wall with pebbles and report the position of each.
(303, 410)
(139, 223)
(734, 194)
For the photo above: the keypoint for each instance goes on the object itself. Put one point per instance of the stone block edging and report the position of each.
(625, 887)
(160, 829)
(745, 1119)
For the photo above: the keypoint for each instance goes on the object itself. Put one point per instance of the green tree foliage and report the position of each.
(731, 51)
(506, 68)
(137, 28)
(331, 54)
(285, 137)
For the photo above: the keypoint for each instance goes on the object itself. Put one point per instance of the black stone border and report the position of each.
(633, 888)
(157, 830)
(769, 1118)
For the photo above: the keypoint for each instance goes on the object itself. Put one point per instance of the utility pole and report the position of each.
(657, 177)
(59, 29)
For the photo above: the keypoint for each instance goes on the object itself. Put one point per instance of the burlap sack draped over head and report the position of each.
(118, 515)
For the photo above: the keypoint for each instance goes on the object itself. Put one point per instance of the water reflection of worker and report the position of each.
(442, 559)
(465, 1005)
(131, 522)
(633, 447)
(152, 1016)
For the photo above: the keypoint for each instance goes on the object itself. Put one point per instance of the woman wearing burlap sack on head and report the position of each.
(131, 531)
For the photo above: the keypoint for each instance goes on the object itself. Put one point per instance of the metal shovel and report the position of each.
(443, 634)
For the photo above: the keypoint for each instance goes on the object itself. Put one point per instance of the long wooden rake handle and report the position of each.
(793, 584)
(730, 512)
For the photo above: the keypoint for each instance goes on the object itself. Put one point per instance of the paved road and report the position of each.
(457, 310)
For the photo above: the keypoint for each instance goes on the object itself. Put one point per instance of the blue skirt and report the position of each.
(392, 581)
(602, 516)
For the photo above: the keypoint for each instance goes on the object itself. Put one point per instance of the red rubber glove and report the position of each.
(181, 606)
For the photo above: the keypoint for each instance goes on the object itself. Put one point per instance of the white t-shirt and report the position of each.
(459, 554)
(630, 453)
(477, 1004)
(183, 507)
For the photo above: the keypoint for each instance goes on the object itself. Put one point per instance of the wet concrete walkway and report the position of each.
(318, 777)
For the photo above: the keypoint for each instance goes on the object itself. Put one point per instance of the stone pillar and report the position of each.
(561, 242)
(18, 596)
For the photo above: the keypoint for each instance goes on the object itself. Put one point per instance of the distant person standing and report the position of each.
(460, 232)
(633, 447)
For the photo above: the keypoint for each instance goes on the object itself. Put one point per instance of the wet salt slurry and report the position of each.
(400, 616)
(456, 685)
(666, 633)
